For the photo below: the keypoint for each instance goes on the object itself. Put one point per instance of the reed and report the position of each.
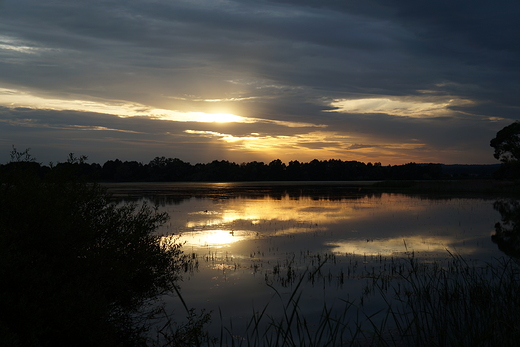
(458, 305)
(292, 327)
(448, 303)
(451, 302)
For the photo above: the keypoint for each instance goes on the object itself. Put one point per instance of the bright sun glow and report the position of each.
(216, 117)
(311, 145)
(16, 98)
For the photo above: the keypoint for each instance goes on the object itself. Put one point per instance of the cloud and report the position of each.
(408, 107)
(411, 81)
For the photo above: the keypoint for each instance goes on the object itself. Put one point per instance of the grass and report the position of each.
(462, 305)
(442, 303)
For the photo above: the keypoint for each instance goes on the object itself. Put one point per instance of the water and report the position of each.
(253, 242)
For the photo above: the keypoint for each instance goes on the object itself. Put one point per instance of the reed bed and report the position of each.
(458, 305)
(435, 303)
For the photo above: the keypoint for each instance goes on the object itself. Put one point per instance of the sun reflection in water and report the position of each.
(214, 238)
(364, 225)
(285, 209)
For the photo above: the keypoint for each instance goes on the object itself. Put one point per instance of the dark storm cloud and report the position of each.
(292, 47)
(279, 60)
(470, 43)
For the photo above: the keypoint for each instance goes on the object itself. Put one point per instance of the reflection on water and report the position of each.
(507, 232)
(391, 246)
(387, 224)
(247, 235)
(214, 238)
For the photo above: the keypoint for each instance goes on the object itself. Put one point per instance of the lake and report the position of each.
(254, 245)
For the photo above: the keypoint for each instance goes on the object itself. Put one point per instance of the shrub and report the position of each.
(76, 268)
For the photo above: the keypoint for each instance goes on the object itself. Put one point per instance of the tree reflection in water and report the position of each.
(507, 232)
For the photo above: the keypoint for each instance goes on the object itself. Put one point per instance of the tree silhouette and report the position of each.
(276, 170)
(507, 232)
(507, 150)
(163, 169)
(77, 268)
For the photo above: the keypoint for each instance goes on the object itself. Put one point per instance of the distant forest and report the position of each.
(162, 169)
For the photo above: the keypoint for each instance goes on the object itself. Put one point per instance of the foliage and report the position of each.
(162, 169)
(507, 150)
(76, 268)
(18, 157)
(507, 143)
(190, 333)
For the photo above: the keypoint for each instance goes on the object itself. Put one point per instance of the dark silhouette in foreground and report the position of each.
(507, 232)
(76, 268)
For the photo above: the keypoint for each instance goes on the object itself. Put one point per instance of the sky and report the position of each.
(240, 80)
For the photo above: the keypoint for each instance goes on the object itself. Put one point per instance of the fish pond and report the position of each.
(338, 263)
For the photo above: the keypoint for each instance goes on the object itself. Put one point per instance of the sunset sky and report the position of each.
(241, 80)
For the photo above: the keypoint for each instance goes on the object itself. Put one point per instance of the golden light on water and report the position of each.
(382, 224)
(243, 219)
(392, 246)
(271, 209)
(214, 237)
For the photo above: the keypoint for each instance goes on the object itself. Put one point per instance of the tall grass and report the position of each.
(292, 327)
(458, 305)
(443, 303)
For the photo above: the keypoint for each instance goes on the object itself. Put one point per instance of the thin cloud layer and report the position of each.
(239, 80)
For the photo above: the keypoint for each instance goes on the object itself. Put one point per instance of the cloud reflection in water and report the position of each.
(243, 240)
(385, 224)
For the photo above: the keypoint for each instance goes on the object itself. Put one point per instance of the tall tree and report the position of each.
(507, 150)
(507, 143)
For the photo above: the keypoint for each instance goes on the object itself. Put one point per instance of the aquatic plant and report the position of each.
(442, 303)
(458, 305)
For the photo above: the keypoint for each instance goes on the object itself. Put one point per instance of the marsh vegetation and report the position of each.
(440, 303)
(265, 264)
(78, 269)
(294, 265)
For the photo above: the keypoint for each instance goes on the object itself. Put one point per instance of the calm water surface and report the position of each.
(254, 240)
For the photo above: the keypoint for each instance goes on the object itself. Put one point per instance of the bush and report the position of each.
(77, 269)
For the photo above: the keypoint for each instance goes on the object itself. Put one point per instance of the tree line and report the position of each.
(162, 169)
